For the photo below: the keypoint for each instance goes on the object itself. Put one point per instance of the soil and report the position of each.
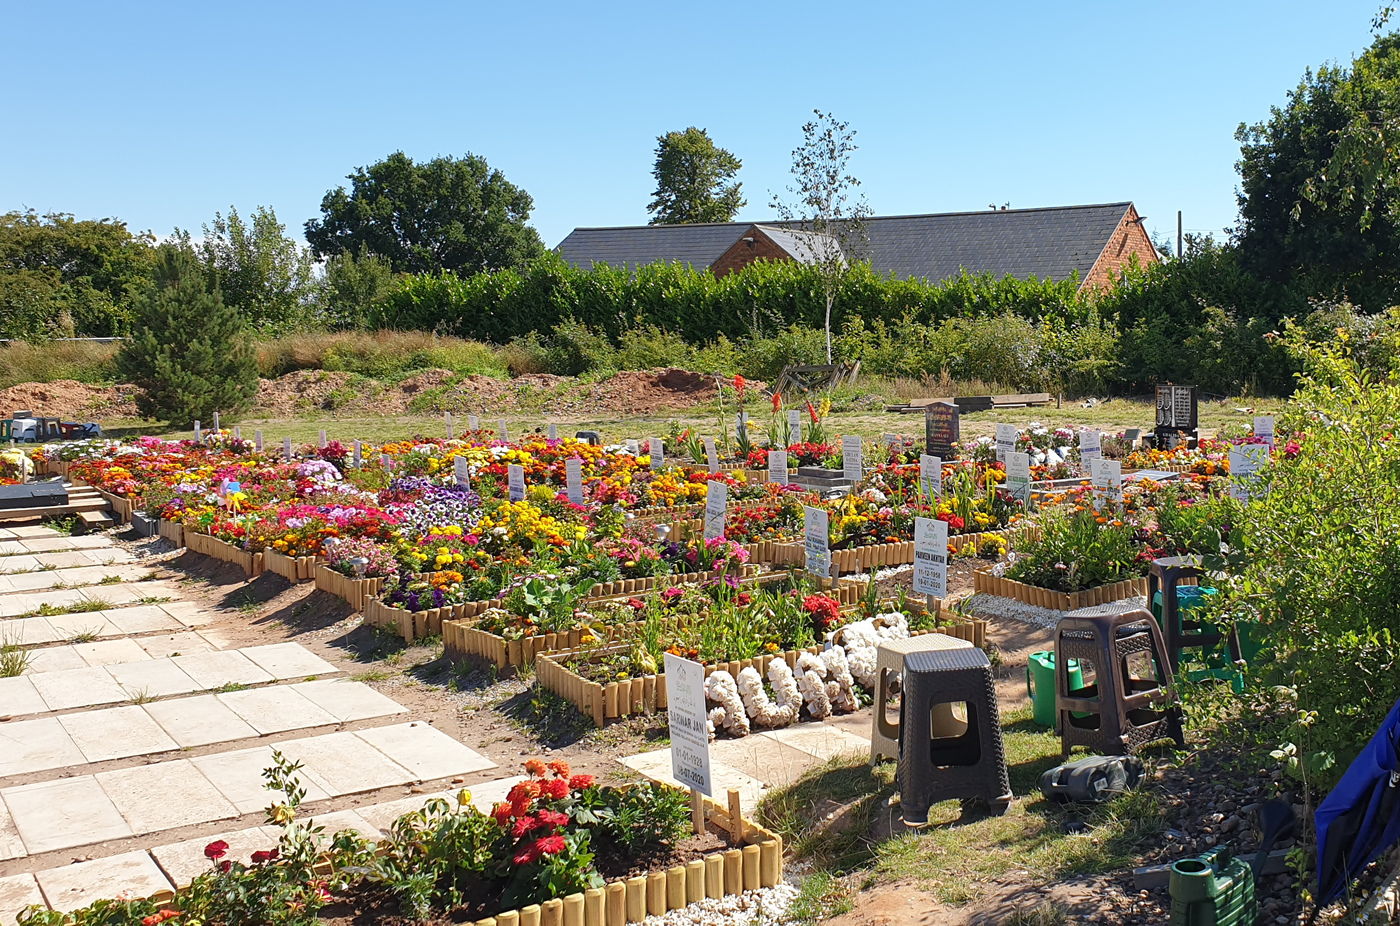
(636, 392)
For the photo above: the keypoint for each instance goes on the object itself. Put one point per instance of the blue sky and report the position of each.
(163, 114)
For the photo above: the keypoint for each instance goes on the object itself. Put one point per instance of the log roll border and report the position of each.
(983, 581)
(355, 592)
(292, 568)
(646, 694)
(251, 563)
(173, 531)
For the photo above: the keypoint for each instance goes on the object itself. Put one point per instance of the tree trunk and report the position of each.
(829, 299)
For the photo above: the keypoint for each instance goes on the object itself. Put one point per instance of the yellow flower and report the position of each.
(464, 797)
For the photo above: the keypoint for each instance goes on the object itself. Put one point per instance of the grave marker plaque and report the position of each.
(941, 433)
(1176, 407)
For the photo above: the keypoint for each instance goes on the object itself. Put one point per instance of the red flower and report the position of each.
(225, 866)
(502, 813)
(535, 767)
(555, 789)
(777, 402)
(742, 599)
(268, 856)
(560, 768)
(813, 413)
(524, 825)
(528, 856)
(739, 384)
(579, 782)
(636, 604)
(550, 845)
(524, 791)
(216, 850)
(552, 818)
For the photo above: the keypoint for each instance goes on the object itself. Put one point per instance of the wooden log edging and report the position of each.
(355, 592)
(173, 531)
(197, 542)
(646, 694)
(292, 568)
(984, 581)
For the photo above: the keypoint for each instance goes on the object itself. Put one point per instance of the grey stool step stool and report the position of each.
(971, 764)
(1119, 712)
(889, 662)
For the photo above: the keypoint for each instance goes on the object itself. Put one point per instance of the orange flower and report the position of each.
(777, 402)
(739, 384)
(535, 767)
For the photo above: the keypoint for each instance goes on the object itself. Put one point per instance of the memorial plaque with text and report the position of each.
(941, 433)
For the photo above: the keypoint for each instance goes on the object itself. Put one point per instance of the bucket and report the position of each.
(1040, 684)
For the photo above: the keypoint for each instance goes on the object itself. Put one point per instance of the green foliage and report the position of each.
(1322, 571)
(645, 814)
(1320, 182)
(190, 354)
(447, 214)
(1076, 549)
(693, 180)
(60, 276)
(354, 286)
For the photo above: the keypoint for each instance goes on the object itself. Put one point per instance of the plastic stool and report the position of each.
(1163, 577)
(889, 662)
(1119, 713)
(935, 766)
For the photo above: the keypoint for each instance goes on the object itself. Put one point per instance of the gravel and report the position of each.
(996, 606)
(765, 907)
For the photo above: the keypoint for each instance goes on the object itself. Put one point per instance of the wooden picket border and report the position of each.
(173, 531)
(984, 581)
(292, 568)
(196, 542)
(355, 592)
(863, 558)
(646, 694)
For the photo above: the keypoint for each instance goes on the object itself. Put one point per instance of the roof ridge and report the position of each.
(874, 218)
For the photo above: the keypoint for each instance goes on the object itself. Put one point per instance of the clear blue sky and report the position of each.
(162, 114)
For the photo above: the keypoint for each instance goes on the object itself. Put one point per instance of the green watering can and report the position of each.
(1213, 889)
(1040, 685)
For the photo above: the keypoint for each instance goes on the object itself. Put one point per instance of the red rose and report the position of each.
(216, 850)
(225, 866)
(260, 858)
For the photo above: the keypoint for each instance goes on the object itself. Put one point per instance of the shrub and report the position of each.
(649, 346)
(190, 354)
(383, 355)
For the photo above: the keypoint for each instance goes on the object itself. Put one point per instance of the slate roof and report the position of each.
(1051, 242)
(804, 246)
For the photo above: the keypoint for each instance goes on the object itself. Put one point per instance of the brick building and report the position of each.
(1094, 242)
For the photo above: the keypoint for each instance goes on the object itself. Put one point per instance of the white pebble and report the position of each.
(997, 606)
(764, 907)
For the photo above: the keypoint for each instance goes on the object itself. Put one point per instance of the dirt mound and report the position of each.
(640, 392)
(66, 398)
(302, 391)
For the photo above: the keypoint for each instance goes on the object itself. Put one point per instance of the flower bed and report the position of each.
(356, 592)
(172, 531)
(292, 568)
(984, 581)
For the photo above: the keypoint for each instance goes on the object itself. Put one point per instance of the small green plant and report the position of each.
(85, 636)
(111, 580)
(229, 687)
(14, 658)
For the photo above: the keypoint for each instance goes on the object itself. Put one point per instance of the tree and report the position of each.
(257, 269)
(190, 353)
(355, 286)
(830, 226)
(61, 276)
(447, 214)
(693, 180)
(1320, 183)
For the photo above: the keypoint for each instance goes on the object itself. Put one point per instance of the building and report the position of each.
(1094, 242)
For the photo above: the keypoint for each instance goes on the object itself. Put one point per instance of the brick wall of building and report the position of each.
(743, 253)
(1128, 239)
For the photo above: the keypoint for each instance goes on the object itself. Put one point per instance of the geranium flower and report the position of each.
(216, 850)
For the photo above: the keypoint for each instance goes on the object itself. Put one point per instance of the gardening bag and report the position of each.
(1092, 780)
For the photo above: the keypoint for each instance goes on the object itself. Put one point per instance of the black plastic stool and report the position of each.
(1119, 712)
(970, 765)
(1180, 632)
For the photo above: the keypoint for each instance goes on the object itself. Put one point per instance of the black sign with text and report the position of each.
(941, 430)
(1176, 407)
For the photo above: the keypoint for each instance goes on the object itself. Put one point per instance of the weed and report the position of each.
(14, 659)
(142, 696)
(1049, 914)
(111, 580)
(229, 687)
(62, 525)
(84, 636)
(373, 675)
(821, 897)
(149, 576)
(153, 599)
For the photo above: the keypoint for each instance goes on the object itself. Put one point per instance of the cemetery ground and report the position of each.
(278, 643)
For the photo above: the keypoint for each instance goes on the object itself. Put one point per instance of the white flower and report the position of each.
(811, 681)
(720, 687)
(760, 707)
(841, 687)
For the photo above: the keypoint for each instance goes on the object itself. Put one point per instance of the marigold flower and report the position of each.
(535, 767)
(555, 789)
(216, 850)
(560, 768)
(579, 782)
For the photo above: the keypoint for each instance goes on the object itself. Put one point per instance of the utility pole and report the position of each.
(1178, 234)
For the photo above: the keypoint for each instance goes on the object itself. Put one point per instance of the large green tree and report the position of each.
(694, 180)
(257, 269)
(60, 276)
(445, 214)
(190, 353)
(1320, 183)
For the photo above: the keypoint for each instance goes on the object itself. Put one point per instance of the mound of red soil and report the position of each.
(66, 398)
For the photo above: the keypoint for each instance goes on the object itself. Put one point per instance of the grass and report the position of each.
(820, 897)
(958, 850)
(84, 361)
(228, 687)
(373, 675)
(14, 659)
(77, 607)
(111, 580)
(84, 636)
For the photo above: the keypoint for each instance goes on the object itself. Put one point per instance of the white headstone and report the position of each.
(386, 462)
(237, 433)
(503, 434)
(257, 441)
(632, 447)
(777, 467)
(1090, 448)
(711, 457)
(198, 434)
(688, 720)
(1006, 441)
(817, 541)
(890, 439)
(462, 471)
(1018, 475)
(852, 466)
(216, 424)
(553, 431)
(358, 457)
(1246, 460)
(515, 474)
(447, 419)
(286, 448)
(930, 475)
(931, 557)
(716, 503)
(474, 422)
(658, 452)
(573, 479)
(795, 426)
(321, 440)
(1264, 428)
(1107, 476)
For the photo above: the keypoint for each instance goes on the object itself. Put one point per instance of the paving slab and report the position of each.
(275, 709)
(19, 697)
(188, 613)
(52, 659)
(130, 592)
(238, 777)
(182, 862)
(73, 887)
(342, 763)
(28, 631)
(340, 820)
(425, 750)
(288, 660)
(36, 746)
(116, 733)
(10, 844)
(16, 893)
(198, 721)
(183, 643)
(221, 667)
(656, 765)
(820, 739)
(142, 618)
(64, 813)
(77, 688)
(15, 605)
(111, 652)
(55, 544)
(30, 531)
(20, 562)
(153, 678)
(765, 760)
(348, 700)
(165, 796)
(82, 624)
